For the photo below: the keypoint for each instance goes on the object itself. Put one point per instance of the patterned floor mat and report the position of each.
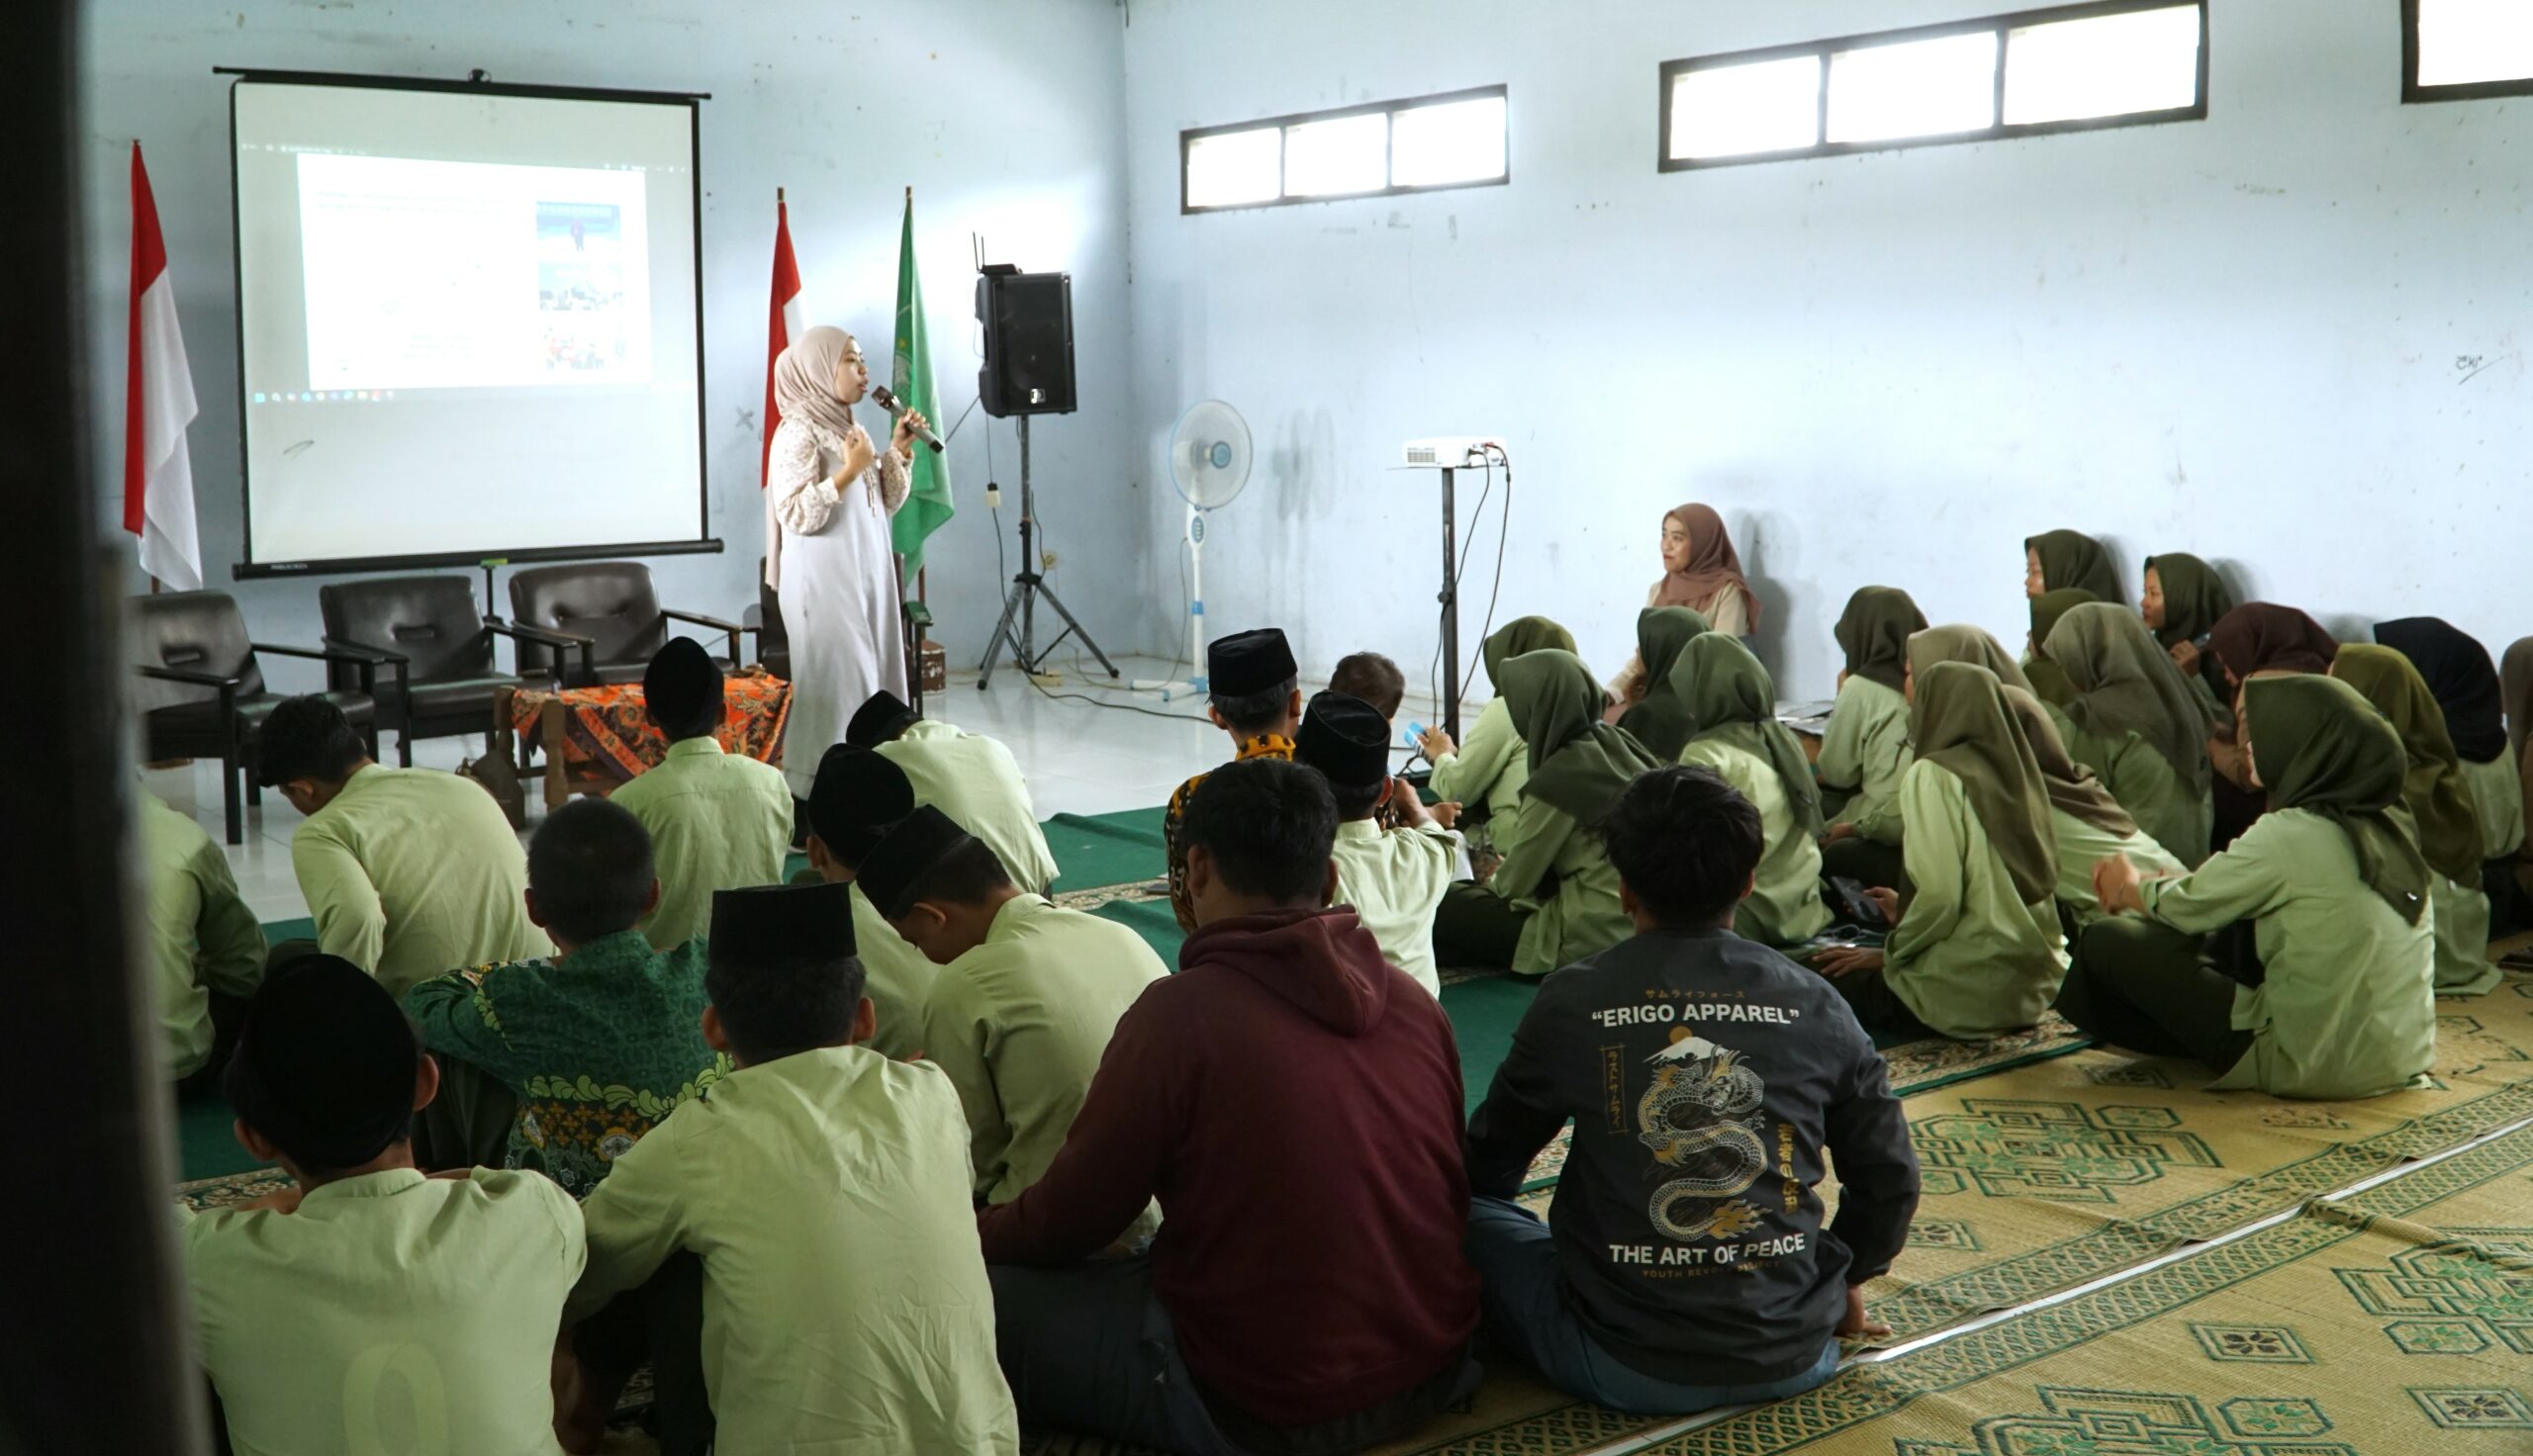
(2400, 1320)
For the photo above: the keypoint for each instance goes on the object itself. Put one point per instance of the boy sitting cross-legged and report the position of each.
(1687, 1261)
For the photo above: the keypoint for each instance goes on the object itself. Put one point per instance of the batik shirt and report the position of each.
(598, 1045)
(1264, 746)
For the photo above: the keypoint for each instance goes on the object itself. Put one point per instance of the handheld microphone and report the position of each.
(885, 399)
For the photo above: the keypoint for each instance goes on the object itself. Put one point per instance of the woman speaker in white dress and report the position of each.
(829, 498)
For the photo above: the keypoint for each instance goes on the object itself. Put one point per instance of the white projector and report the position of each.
(1451, 452)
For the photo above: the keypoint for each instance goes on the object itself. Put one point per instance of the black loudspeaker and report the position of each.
(1028, 321)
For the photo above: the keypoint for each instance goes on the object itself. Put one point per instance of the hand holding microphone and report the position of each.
(911, 425)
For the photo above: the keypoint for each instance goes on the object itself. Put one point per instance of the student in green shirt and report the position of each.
(368, 1307)
(2087, 822)
(2467, 687)
(2137, 724)
(598, 1040)
(966, 776)
(1026, 998)
(824, 1187)
(410, 873)
(1978, 950)
(2440, 806)
(857, 798)
(1660, 719)
(2048, 680)
(718, 821)
(1485, 775)
(1554, 899)
(1733, 702)
(1394, 878)
(206, 949)
(2335, 995)
(1866, 747)
(2184, 600)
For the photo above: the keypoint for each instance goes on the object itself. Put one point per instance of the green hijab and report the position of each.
(2125, 682)
(1579, 764)
(1874, 633)
(1733, 701)
(2074, 559)
(1960, 722)
(2319, 745)
(2048, 680)
(2073, 788)
(2194, 597)
(1518, 636)
(2440, 804)
(1959, 642)
(1660, 719)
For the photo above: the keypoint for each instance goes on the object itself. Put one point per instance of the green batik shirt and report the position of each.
(598, 1045)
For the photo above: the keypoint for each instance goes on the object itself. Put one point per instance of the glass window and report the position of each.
(1915, 88)
(1230, 168)
(1455, 141)
(2107, 65)
(2472, 43)
(1348, 154)
(1740, 110)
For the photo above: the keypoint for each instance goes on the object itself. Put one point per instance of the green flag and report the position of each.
(910, 376)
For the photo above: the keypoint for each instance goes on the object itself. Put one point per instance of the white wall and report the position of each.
(1007, 118)
(2290, 337)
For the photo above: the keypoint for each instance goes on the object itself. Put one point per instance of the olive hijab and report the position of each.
(2320, 746)
(1874, 633)
(2048, 680)
(1518, 636)
(1959, 642)
(2459, 672)
(2125, 682)
(1961, 723)
(1660, 721)
(2439, 801)
(2196, 598)
(2074, 559)
(1579, 764)
(2073, 788)
(1733, 699)
(2263, 637)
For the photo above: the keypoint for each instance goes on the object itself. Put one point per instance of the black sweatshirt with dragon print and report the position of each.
(1710, 1082)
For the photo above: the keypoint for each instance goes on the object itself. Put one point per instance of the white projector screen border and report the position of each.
(492, 553)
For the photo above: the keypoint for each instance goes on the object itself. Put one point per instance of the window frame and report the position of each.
(1188, 138)
(2001, 26)
(2414, 94)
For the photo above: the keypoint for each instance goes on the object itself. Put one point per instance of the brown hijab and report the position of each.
(2262, 637)
(1712, 565)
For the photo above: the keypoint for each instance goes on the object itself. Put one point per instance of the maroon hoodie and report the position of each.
(1294, 1102)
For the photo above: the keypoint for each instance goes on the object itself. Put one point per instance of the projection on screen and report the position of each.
(468, 323)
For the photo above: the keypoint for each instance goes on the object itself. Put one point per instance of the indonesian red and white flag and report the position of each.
(781, 323)
(158, 475)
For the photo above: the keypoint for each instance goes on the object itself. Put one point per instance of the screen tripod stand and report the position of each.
(1021, 603)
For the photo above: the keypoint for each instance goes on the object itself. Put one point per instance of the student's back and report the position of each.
(410, 873)
(386, 1308)
(845, 1303)
(718, 821)
(974, 780)
(1706, 1076)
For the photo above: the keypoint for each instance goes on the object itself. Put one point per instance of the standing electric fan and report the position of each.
(1209, 459)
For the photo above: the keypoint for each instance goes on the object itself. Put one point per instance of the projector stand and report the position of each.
(1026, 588)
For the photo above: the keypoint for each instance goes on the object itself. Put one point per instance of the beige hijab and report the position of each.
(805, 385)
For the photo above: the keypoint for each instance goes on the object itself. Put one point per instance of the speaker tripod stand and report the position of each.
(1027, 586)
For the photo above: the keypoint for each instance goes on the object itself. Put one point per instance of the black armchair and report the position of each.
(610, 612)
(765, 620)
(203, 692)
(436, 650)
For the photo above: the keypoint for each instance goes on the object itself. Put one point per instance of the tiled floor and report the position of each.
(1080, 759)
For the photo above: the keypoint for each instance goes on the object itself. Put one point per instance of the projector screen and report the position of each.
(469, 323)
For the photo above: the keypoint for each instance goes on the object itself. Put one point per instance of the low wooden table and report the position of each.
(597, 738)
